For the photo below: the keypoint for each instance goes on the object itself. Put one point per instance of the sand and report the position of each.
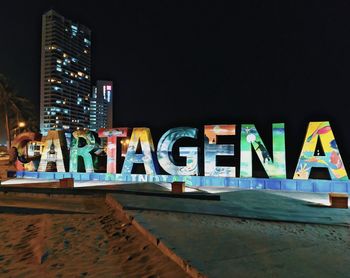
(4, 167)
(73, 237)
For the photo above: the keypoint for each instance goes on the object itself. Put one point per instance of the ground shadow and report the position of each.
(34, 211)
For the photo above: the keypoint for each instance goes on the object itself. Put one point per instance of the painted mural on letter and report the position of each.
(275, 164)
(165, 150)
(147, 157)
(331, 160)
(212, 150)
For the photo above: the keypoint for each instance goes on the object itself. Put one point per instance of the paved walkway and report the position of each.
(251, 204)
(248, 234)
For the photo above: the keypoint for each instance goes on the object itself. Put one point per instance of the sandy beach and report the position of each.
(74, 237)
(4, 167)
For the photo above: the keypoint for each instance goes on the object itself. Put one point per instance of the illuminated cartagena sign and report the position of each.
(84, 152)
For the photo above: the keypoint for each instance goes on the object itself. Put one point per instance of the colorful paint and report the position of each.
(165, 152)
(112, 135)
(54, 152)
(140, 136)
(85, 152)
(275, 164)
(21, 145)
(332, 160)
(212, 150)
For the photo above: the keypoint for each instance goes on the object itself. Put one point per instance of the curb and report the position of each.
(187, 267)
(101, 191)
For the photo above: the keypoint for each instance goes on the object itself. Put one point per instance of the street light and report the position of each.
(19, 125)
(125, 144)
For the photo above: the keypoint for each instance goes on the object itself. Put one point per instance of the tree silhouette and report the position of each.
(14, 108)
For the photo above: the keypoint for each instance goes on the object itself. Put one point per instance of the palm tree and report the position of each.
(12, 107)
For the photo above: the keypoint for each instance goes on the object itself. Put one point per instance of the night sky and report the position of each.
(180, 63)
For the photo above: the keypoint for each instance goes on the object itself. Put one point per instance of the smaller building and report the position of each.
(101, 105)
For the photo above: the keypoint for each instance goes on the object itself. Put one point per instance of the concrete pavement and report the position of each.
(249, 233)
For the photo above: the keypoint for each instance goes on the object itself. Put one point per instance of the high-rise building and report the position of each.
(101, 105)
(65, 74)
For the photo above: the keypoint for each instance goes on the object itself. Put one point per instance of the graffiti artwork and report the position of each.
(212, 150)
(275, 164)
(331, 160)
(165, 152)
(85, 149)
(147, 157)
(24, 145)
(112, 136)
(54, 152)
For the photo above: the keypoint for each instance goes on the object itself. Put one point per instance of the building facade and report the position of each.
(101, 105)
(65, 74)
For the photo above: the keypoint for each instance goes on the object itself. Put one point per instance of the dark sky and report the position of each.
(188, 64)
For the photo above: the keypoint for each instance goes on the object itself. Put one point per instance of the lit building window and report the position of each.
(74, 30)
(87, 41)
